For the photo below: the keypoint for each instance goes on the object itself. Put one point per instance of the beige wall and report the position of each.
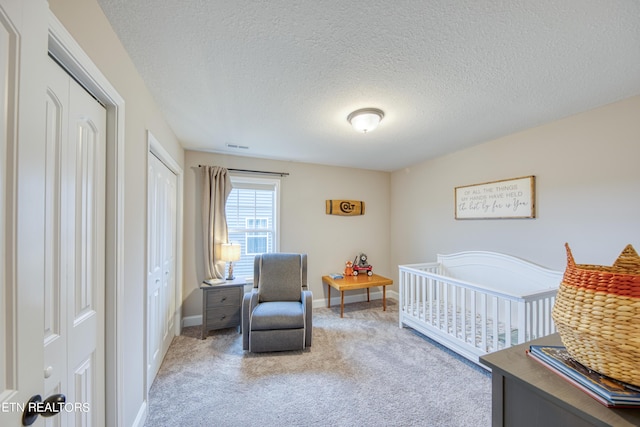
(588, 193)
(89, 27)
(328, 240)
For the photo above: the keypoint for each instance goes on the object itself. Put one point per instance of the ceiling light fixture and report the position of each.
(365, 119)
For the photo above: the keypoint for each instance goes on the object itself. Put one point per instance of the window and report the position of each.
(252, 219)
(257, 242)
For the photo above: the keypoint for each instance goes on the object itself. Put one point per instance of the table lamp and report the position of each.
(230, 253)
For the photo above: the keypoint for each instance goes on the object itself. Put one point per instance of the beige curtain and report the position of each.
(216, 186)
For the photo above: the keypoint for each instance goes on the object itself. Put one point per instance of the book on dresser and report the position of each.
(608, 391)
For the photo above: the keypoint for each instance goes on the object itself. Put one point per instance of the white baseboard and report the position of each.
(359, 297)
(192, 321)
(142, 415)
(335, 300)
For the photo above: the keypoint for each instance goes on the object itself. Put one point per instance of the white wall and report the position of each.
(89, 27)
(588, 193)
(328, 240)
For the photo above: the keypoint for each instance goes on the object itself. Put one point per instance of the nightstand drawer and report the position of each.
(223, 317)
(219, 297)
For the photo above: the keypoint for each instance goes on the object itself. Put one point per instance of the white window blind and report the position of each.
(252, 219)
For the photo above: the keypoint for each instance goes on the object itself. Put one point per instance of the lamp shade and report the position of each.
(366, 119)
(230, 252)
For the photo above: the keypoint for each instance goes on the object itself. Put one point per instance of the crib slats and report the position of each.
(474, 316)
(478, 321)
(425, 297)
(522, 327)
(455, 311)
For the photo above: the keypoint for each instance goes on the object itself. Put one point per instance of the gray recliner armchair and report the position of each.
(277, 315)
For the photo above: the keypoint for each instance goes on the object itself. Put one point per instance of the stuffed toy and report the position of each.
(348, 271)
(361, 260)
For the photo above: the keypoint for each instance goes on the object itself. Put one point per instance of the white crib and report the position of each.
(477, 302)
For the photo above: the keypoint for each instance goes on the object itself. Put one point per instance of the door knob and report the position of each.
(35, 406)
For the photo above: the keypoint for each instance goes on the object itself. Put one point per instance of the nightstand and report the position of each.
(221, 305)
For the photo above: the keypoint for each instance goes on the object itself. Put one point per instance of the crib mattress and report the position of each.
(472, 329)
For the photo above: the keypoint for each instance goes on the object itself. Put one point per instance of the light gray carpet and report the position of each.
(362, 370)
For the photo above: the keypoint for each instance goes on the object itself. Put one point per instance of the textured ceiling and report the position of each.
(280, 77)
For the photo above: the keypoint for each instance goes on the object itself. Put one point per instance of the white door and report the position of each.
(74, 250)
(161, 252)
(23, 39)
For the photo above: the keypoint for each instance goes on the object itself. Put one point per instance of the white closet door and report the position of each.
(161, 280)
(74, 249)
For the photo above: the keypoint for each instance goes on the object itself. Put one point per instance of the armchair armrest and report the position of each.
(307, 306)
(249, 302)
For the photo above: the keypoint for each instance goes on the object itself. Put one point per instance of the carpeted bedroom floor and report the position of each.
(362, 370)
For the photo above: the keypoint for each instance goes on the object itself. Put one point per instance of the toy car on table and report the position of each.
(360, 265)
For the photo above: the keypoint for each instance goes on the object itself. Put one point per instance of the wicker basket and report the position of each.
(597, 313)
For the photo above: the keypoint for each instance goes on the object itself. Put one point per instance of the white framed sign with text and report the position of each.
(507, 198)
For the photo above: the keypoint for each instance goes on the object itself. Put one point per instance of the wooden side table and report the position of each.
(360, 281)
(221, 305)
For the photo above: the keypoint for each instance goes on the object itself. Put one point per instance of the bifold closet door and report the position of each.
(161, 251)
(74, 293)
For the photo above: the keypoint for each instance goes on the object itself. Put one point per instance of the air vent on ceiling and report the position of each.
(237, 147)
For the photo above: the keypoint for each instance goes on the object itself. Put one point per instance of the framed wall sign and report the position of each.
(345, 207)
(507, 198)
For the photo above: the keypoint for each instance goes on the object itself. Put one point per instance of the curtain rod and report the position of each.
(255, 171)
